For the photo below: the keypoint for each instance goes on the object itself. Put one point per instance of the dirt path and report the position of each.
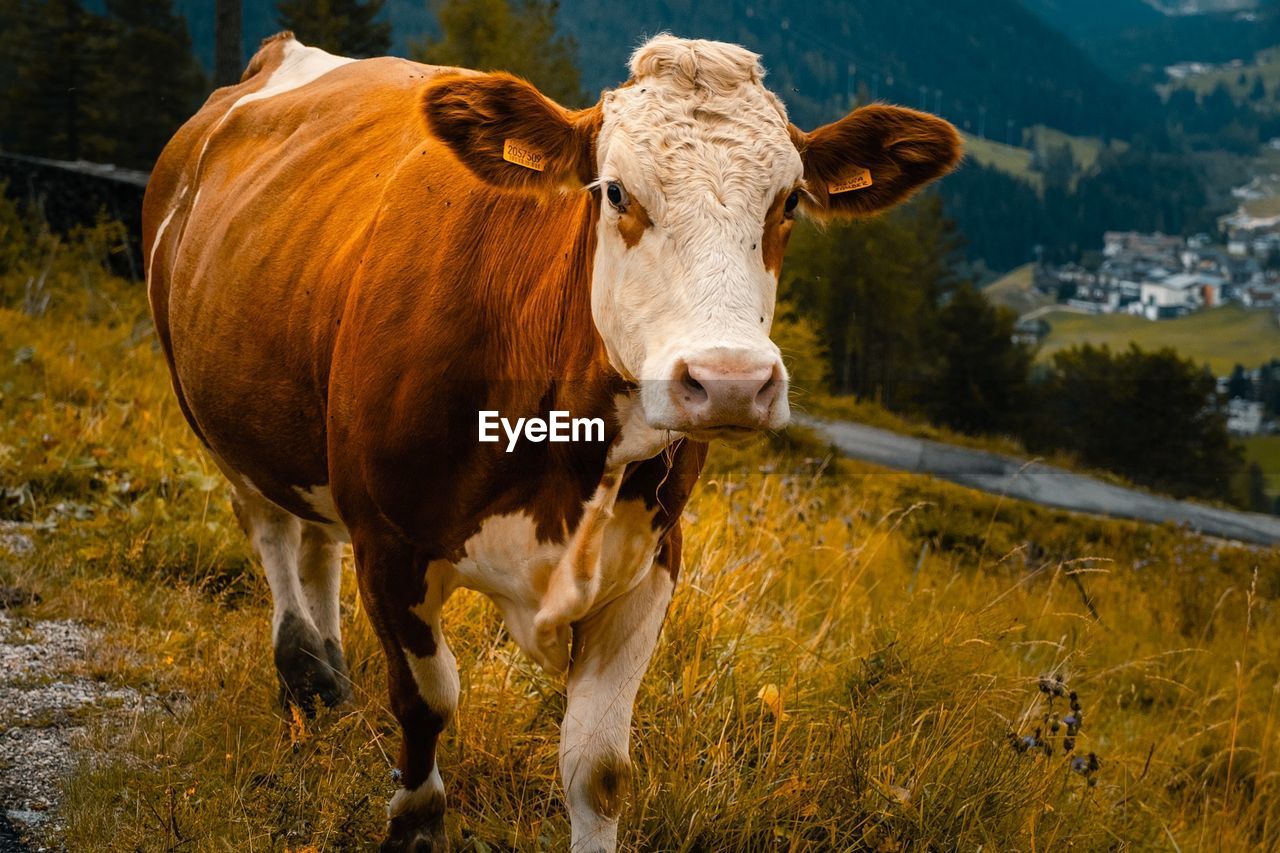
(44, 707)
(1037, 482)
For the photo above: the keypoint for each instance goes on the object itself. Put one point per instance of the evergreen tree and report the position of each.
(154, 83)
(54, 98)
(344, 27)
(979, 380)
(109, 88)
(518, 36)
(873, 287)
(1150, 416)
(1239, 384)
(1258, 500)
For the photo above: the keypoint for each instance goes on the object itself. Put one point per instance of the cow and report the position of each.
(351, 264)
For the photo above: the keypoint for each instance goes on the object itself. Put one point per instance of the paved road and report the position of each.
(1036, 481)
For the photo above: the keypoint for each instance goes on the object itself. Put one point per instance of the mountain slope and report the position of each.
(985, 64)
(1081, 20)
(1131, 40)
(978, 62)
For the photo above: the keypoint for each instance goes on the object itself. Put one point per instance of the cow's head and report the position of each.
(698, 176)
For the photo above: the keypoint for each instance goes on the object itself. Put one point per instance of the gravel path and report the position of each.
(1037, 482)
(42, 713)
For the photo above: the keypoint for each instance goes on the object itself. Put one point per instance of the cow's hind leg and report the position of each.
(320, 576)
(302, 661)
(611, 651)
(403, 599)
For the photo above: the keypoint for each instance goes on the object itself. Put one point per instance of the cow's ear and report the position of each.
(872, 159)
(510, 134)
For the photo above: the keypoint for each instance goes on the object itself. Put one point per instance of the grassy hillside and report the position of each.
(1009, 159)
(1085, 150)
(1266, 64)
(1018, 161)
(853, 659)
(1015, 292)
(1265, 450)
(1221, 337)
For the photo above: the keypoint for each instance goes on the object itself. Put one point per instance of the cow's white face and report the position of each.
(695, 168)
(698, 175)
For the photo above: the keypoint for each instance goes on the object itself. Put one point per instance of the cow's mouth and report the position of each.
(729, 434)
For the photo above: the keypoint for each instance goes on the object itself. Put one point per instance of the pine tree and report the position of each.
(52, 102)
(873, 288)
(1140, 414)
(108, 88)
(154, 81)
(979, 379)
(518, 36)
(1259, 501)
(344, 27)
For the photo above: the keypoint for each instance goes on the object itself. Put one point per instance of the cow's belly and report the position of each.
(506, 562)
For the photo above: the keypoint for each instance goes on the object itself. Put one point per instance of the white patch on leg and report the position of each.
(436, 675)
(614, 651)
(421, 797)
(320, 578)
(319, 500)
(276, 537)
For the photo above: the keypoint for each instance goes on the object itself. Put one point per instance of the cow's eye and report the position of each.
(792, 201)
(617, 196)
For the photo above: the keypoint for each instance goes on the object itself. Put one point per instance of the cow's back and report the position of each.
(255, 224)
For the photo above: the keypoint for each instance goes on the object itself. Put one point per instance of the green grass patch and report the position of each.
(1220, 337)
(1265, 450)
(1018, 161)
(1085, 150)
(1015, 291)
(1004, 158)
(1266, 64)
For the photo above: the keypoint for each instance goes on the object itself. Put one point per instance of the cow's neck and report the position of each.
(547, 302)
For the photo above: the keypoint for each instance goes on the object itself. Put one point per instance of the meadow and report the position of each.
(1265, 64)
(1220, 337)
(1019, 160)
(1016, 291)
(856, 659)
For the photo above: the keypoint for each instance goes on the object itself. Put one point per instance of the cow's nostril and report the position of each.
(769, 390)
(692, 390)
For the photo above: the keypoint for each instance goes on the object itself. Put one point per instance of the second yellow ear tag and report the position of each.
(522, 155)
(859, 180)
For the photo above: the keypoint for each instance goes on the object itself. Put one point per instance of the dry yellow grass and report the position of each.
(848, 655)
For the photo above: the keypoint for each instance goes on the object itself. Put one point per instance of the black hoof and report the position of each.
(308, 668)
(407, 835)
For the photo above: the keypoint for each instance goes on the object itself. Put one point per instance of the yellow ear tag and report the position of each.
(859, 180)
(522, 155)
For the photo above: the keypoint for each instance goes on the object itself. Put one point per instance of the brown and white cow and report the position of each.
(348, 261)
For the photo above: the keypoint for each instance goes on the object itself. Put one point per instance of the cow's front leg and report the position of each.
(404, 601)
(611, 651)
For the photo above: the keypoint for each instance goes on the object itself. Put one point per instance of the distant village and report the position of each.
(1159, 277)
